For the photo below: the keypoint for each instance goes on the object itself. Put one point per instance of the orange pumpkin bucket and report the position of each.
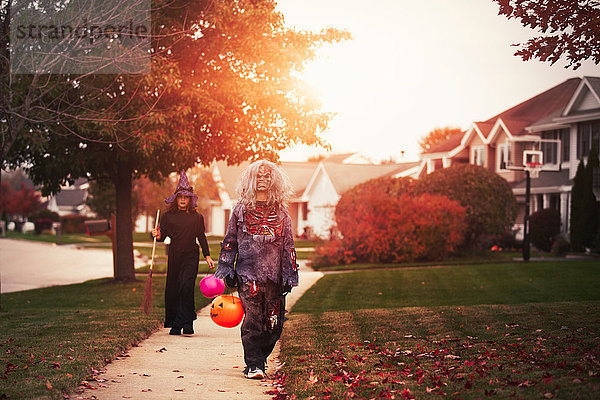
(227, 311)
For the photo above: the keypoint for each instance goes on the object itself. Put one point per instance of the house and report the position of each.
(561, 123)
(318, 186)
(71, 199)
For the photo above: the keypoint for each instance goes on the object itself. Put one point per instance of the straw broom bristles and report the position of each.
(147, 301)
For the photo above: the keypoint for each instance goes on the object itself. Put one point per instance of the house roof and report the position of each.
(347, 158)
(346, 176)
(485, 127)
(547, 104)
(594, 82)
(546, 179)
(70, 198)
(451, 143)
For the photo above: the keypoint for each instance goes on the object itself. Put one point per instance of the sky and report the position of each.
(413, 66)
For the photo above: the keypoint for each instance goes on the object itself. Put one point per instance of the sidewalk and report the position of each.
(207, 365)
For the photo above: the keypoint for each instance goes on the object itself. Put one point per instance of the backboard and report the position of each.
(517, 152)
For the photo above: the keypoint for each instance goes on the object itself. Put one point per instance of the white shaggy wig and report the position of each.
(279, 192)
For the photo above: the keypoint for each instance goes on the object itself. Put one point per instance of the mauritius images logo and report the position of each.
(80, 37)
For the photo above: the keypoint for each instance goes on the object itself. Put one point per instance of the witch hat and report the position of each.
(183, 188)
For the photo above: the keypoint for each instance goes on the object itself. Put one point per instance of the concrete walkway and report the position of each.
(207, 365)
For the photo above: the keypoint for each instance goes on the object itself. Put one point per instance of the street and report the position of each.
(28, 265)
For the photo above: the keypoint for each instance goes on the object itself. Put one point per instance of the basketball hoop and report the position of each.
(534, 169)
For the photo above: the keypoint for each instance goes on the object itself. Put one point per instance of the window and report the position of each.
(478, 155)
(551, 149)
(503, 156)
(588, 133)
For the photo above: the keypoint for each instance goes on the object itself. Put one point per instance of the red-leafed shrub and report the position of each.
(380, 228)
(332, 253)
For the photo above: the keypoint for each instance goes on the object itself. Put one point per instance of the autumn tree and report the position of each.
(224, 86)
(437, 136)
(18, 204)
(569, 29)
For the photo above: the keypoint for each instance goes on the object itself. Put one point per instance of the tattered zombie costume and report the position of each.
(184, 227)
(258, 253)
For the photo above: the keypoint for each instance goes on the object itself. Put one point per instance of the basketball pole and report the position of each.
(526, 219)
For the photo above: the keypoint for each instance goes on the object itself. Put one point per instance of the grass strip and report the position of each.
(547, 281)
(54, 338)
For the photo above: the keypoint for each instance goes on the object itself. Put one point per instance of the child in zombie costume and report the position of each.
(183, 225)
(258, 255)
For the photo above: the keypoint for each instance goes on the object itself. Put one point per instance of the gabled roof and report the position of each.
(70, 198)
(485, 127)
(300, 174)
(346, 158)
(449, 144)
(594, 82)
(548, 103)
(346, 176)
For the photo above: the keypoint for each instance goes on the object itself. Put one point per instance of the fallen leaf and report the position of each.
(548, 395)
(48, 385)
(279, 367)
(312, 379)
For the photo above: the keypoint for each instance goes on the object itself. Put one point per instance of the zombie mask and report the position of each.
(263, 178)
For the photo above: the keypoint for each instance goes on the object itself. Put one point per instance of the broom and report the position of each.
(147, 301)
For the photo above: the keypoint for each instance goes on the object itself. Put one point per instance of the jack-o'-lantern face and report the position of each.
(227, 311)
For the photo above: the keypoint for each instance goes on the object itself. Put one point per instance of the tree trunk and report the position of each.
(124, 271)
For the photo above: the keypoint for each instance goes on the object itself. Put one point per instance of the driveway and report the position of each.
(28, 265)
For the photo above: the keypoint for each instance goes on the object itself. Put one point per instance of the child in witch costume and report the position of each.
(183, 225)
(258, 256)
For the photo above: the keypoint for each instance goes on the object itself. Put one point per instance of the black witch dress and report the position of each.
(184, 228)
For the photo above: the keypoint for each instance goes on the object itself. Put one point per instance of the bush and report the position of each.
(544, 226)
(490, 202)
(42, 224)
(47, 214)
(561, 246)
(379, 228)
(72, 224)
(331, 253)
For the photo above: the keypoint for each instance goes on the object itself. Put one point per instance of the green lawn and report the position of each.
(524, 330)
(52, 338)
(547, 281)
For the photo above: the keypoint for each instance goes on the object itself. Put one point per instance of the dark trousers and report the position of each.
(180, 309)
(264, 306)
